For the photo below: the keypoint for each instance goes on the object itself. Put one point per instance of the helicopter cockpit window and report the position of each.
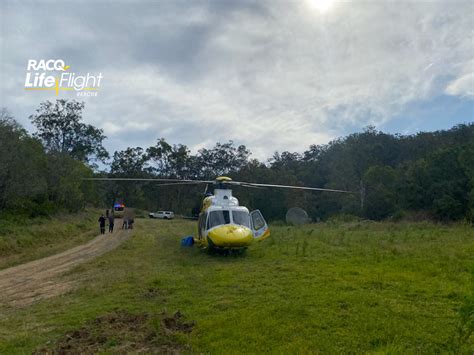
(217, 218)
(241, 218)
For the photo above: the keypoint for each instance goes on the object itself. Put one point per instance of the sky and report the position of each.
(273, 75)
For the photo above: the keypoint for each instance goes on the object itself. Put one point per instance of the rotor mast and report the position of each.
(223, 192)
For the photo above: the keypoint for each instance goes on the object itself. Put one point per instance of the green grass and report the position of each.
(23, 239)
(355, 287)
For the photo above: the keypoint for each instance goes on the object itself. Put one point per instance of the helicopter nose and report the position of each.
(231, 236)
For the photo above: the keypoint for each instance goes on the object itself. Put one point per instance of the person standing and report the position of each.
(111, 223)
(101, 221)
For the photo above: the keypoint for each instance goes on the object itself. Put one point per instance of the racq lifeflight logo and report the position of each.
(55, 75)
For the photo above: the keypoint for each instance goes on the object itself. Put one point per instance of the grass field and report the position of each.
(355, 287)
(23, 239)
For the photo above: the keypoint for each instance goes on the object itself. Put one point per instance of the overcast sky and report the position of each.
(273, 75)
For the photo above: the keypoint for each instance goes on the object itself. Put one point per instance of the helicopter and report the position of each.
(223, 224)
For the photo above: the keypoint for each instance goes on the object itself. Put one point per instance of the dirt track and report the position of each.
(27, 283)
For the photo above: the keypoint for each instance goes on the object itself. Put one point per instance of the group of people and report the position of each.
(108, 217)
(126, 224)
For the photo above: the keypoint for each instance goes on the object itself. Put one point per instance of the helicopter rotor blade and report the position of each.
(152, 179)
(251, 184)
(181, 183)
(169, 182)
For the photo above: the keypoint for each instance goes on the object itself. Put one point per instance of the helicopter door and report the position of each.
(259, 226)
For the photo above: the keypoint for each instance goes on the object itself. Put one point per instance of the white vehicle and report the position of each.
(162, 214)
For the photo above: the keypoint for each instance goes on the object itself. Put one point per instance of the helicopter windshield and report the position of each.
(242, 218)
(217, 218)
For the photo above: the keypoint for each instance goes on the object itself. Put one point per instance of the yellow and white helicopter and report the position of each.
(224, 224)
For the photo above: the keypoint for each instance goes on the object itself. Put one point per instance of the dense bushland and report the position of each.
(428, 174)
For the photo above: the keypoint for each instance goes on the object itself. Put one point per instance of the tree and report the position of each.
(32, 181)
(22, 166)
(7, 120)
(131, 162)
(450, 184)
(171, 161)
(466, 159)
(223, 159)
(60, 129)
(381, 192)
(66, 189)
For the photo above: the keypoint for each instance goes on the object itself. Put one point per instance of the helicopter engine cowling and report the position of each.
(223, 197)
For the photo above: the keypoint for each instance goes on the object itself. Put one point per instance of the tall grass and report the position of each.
(23, 238)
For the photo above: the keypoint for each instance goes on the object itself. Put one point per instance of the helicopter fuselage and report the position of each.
(224, 224)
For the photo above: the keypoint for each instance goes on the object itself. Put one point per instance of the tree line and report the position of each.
(425, 175)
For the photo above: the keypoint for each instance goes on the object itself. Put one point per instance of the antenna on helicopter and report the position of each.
(207, 190)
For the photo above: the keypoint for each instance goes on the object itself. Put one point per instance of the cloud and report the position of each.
(463, 85)
(272, 75)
